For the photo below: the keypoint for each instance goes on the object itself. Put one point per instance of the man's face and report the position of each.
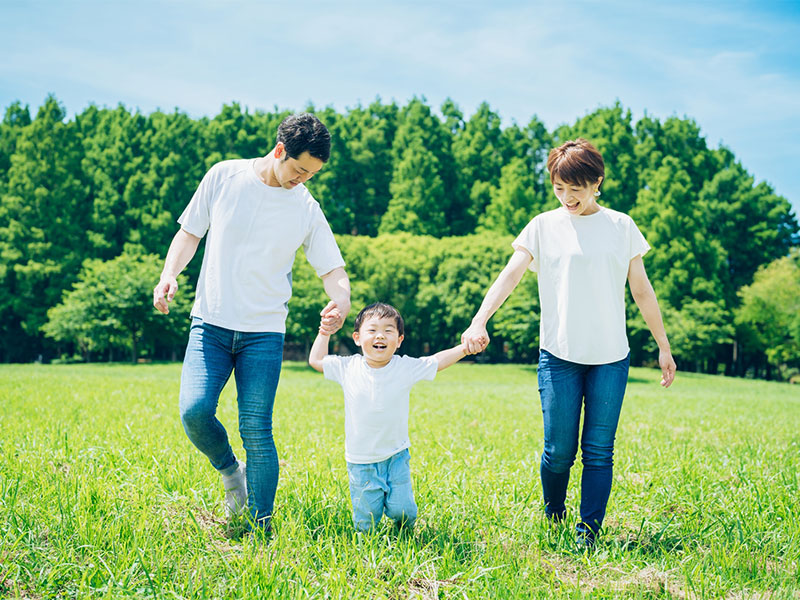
(291, 172)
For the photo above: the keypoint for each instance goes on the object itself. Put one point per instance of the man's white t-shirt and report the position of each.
(582, 264)
(254, 231)
(376, 402)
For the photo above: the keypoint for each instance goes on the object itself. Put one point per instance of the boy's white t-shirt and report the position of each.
(376, 402)
(582, 264)
(254, 231)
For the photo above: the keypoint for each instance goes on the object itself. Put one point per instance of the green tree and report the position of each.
(109, 308)
(514, 202)
(43, 224)
(770, 311)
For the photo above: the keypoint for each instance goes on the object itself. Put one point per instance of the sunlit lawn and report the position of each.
(102, 495)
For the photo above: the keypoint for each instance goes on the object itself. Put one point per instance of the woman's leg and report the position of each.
(561, 393)
(605, 389)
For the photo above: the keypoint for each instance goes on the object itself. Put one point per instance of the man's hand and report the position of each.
(475, 339)
(163, 293)
(332, 318)
(330, 323)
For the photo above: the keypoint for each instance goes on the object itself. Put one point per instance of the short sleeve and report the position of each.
(638, 245)
(419, 369)
(321, 249)
(196, 217)
(333, 367)
(528, 240)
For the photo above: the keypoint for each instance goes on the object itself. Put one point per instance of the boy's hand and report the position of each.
(332, 318)
(475, 339)
(330, 322)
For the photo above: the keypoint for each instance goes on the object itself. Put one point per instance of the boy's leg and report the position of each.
(367, 493)
(206, 368)
(257, 359)
(561, 393)
(400, 505)
(605, 389)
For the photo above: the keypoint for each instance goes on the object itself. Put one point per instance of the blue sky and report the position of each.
(732, 66)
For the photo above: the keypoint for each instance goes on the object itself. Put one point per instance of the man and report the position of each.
(257, 213)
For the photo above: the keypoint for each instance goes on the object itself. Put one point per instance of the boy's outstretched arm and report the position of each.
(319, 350)
(328, 325)
(451, 356)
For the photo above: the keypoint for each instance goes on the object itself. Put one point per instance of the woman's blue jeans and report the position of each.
(255, 359)
(566, 387)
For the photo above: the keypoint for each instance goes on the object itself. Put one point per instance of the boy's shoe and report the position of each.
(235, 491)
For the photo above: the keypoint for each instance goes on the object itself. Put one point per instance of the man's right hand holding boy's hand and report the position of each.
(330, 322)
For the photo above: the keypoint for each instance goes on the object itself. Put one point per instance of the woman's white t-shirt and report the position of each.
(254, 231)
(582, 265)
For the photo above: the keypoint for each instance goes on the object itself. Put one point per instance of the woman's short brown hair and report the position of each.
(576, 162)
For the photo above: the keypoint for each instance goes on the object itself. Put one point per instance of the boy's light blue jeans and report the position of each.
(564, 388)
(255, 359)
(382, 488)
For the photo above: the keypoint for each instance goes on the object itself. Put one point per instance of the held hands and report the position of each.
(475, 339)
(331, 319)
(163, 293)
(668, 368)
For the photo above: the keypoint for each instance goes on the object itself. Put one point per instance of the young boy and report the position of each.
(376, 387)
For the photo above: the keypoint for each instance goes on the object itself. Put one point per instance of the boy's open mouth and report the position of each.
(379, 346)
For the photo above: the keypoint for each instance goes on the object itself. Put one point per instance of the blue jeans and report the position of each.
(255, 359)
(382, 487)
(566, 387)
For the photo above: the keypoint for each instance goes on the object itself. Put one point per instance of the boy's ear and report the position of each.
(400, 339)
(355, 338)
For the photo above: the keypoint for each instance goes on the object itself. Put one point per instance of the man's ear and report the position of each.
(279, 150)
(355, 338)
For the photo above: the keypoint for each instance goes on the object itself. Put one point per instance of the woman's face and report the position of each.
(577, 199)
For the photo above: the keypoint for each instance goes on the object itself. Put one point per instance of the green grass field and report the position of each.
(102, 495)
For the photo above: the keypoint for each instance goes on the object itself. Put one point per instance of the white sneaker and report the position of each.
(236, 490)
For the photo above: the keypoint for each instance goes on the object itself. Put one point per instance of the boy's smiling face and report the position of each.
(378, 338)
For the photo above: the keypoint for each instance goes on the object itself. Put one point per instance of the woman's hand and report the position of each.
(668, 368)
(475, 339)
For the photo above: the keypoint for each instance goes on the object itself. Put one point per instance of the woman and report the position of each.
(582, 253)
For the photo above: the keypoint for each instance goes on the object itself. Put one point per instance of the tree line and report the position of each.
(424, 202)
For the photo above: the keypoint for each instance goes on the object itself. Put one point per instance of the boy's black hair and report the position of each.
(305, 132)
(382, 311)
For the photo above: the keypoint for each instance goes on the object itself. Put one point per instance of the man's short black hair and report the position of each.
(305, 132)
(382, 311)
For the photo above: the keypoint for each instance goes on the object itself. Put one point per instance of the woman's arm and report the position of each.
(645, 298)
(476, 338)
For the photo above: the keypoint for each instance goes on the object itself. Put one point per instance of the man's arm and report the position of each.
(451, 356)
(337, 287)
(181, 250)
(645, 298)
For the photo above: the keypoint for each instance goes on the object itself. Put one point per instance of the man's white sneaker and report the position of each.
(236, 490)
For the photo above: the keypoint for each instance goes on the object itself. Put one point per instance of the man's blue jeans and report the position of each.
(255, 359)
(566, 387)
